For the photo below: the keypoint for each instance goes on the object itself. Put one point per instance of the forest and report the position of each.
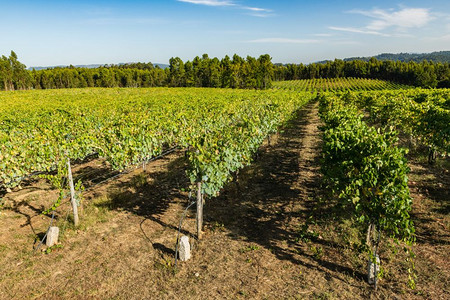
(234, 72)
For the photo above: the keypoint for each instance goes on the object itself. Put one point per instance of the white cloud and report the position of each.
(210, 2)
(401, 19)
(381, 20)
(357, 30)
(284, 41)
(254, 11)
(370, 32)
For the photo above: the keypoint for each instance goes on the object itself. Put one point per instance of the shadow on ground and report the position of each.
(149, 195)
(276, 194)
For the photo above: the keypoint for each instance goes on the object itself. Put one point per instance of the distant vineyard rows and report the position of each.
(422, 115)
(338, 84)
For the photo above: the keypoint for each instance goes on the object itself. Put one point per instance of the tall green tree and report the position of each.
(176, 74)
(265, 71)
(6, 73)
(20, 76)
(189, 74)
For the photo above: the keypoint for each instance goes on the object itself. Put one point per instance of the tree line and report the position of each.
(234, 72)
(424, 74)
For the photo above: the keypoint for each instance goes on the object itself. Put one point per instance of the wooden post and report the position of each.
(199, 210)
(369, 236)
(72, 194)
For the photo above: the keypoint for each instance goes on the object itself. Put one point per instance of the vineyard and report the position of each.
(338, 84)
(127, 127)
(302, 191)
(220, 131)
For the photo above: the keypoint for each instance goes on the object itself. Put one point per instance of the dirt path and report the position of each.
(267, 236)
(430, 188)
(263, 218)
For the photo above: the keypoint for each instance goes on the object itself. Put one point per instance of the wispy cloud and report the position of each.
(252, 11)
(397, 20)
(357, 30)
(284, 41)
(323, 34)
(257, 9)
(401, 19)
(125, 21)
(210, 2)
(260, 15)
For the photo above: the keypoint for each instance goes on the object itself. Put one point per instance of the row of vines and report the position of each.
(338, 84)
(367, 172)
(365, 167)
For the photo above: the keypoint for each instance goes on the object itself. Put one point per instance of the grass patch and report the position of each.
(249, 248)
(97, 211)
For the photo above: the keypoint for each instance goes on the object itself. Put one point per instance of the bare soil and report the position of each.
(269, 235)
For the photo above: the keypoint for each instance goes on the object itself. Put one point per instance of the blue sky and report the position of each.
(46, 33)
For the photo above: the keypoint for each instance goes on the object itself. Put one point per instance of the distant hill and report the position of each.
(62, 66)
(440, 56)
(93, 66)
